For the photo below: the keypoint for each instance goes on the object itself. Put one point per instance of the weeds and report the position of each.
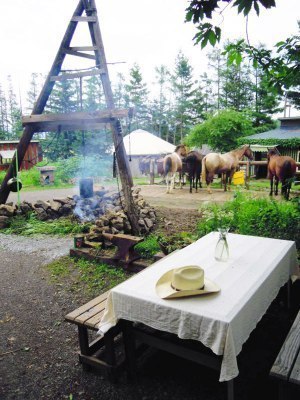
(94, 277)
(30, 225)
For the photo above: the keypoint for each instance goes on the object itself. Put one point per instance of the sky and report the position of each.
(147, 32)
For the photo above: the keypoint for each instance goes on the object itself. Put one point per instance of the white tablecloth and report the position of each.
(249, 282)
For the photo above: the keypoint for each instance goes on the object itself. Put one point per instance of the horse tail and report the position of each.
(288, 170)
(203, 170)
(167, 166)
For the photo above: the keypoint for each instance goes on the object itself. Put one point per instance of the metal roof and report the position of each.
(278, 133)
(261, 148)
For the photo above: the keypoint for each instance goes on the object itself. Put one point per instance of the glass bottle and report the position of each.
(222, 250)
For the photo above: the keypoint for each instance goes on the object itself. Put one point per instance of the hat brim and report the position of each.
(166, 291)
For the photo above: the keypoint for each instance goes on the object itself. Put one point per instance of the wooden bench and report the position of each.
(99, 353)
(286, 368)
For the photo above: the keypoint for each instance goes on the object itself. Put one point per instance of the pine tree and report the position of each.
(63, 99)
(159, 106)
(184, 93)
(137, 97)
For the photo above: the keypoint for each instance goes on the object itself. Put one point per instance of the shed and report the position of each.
(286, 138)
(142, 147)
(32, 156)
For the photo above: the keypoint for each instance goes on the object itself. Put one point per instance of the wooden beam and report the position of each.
(74, 75)
(78, 54)
(83, 48)
(79, 126)
(121, 156)
(76, 117)
(84, 19)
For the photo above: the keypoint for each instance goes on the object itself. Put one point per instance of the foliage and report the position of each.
(281, 71)
(148, 248)
(295, 142)
(198, 10)
(29, 225)
(254, 216)
(81, 167)
(221, 131)
(175, 241)
(96, 277)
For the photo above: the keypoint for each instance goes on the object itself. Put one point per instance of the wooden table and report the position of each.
(222, 322)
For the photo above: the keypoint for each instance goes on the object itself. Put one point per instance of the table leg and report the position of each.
(288, 290)
(230, 390)
(129, 347)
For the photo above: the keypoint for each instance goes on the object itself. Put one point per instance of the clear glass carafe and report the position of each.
(222, 249)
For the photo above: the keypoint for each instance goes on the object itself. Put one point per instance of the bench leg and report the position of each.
(83, 340)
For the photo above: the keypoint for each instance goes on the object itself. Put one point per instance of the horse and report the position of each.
(193, 165)
(172, 164)
(283, 169)
(224, 164)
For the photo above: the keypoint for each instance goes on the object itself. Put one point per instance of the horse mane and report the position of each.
(178, 147)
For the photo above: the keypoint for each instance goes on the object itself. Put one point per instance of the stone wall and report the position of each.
(105, 210)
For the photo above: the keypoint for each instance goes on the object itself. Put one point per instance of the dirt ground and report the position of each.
(38, 349)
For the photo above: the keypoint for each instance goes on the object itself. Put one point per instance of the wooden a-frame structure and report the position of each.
(38, 122)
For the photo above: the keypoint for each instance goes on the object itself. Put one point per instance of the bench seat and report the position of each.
(100, 353)
(286, 368)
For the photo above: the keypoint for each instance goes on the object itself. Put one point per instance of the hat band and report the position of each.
(180, 290)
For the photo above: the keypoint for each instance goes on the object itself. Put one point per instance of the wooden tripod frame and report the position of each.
(38, 122)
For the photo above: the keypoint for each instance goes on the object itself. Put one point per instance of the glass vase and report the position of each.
(222, 249)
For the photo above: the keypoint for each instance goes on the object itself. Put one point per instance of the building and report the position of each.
(32, 156)
(286, 138)
(142, 147)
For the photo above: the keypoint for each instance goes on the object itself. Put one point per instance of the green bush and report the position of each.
(148, 248)
(254, 216)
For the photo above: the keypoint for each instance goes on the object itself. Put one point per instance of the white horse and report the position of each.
(172, 164)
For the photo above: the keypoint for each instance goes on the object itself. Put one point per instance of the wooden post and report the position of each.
(125, 175)
(123, 165)
(151, 171)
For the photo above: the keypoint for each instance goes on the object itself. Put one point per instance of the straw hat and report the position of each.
(184, 281)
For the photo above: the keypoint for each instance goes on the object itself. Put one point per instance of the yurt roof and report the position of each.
(141, 142)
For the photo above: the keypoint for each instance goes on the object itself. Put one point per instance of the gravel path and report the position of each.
(38, 350)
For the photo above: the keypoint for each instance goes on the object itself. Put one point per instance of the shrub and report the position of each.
(251, 216)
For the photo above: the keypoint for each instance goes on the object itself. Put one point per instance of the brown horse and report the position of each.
(283, 169)
(225, 164)
(173, 164)
(193, 165)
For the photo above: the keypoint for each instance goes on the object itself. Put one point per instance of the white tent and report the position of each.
(143, 143)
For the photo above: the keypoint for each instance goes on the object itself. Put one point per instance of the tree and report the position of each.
(282, 70)
(63, 99)
(137, 97)
(184, 93)
(159, 107)
(199, 10)
(221, 131)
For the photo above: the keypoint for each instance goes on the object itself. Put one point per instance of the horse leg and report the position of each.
(276, 185)
(168, 183)
(172, 185)
(271, 185)
(224, 178)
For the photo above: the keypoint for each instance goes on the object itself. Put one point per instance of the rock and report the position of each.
(6, 210)
(3, 221)
(42, 204)
(148, 223)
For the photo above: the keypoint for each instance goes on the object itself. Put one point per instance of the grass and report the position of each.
(30, 225)
(92, 277)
